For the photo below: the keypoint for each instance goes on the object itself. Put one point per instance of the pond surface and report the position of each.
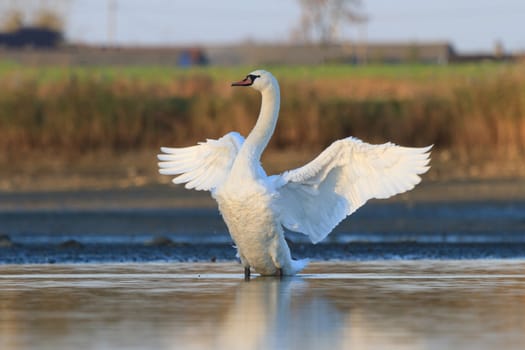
(424, 304)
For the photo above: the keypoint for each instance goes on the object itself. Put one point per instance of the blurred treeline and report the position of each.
(466, 110)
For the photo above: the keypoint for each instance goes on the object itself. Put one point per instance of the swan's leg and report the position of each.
(280, 254)
(246, 265)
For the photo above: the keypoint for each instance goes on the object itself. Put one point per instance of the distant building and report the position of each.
(497, 54)
(428, 52)
(31, 37)
(244, 54)
(353, 53)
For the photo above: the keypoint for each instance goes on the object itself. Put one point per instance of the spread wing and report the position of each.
(204, 166)
(316, 197)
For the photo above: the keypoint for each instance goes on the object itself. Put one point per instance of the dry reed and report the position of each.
(468, 116)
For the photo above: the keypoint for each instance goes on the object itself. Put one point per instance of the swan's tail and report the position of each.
(298, 265)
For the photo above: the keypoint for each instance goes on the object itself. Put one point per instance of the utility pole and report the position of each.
(363, 42)
(112, 21)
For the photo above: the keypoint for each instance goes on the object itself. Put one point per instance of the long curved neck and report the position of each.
(259, 137)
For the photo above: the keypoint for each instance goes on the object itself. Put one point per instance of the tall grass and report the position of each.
(469, 110)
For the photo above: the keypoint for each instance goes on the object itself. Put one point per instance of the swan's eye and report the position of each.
(253, 77)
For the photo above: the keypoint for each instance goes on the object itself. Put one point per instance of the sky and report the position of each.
(470, 25)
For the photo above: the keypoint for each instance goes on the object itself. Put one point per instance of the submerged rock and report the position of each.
(71, 243)
(160, 241)
(5, 241)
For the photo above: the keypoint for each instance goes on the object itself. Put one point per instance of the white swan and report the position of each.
(312, 199)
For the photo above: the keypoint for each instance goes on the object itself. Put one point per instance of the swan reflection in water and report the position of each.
(270, 313)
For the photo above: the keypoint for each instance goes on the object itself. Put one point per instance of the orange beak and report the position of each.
(245, 82)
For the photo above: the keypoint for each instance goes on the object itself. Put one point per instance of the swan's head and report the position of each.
(259, 80)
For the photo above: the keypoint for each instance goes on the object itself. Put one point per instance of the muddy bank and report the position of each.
(70, 252)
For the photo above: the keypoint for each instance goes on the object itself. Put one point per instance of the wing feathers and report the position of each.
(204, 166)
(316, 197)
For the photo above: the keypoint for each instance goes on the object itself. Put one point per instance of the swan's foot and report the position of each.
(279, 272)
(247, 273)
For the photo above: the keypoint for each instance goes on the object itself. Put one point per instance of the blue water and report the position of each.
(448, 222)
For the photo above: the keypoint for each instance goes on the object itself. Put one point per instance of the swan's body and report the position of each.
(312, 199)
